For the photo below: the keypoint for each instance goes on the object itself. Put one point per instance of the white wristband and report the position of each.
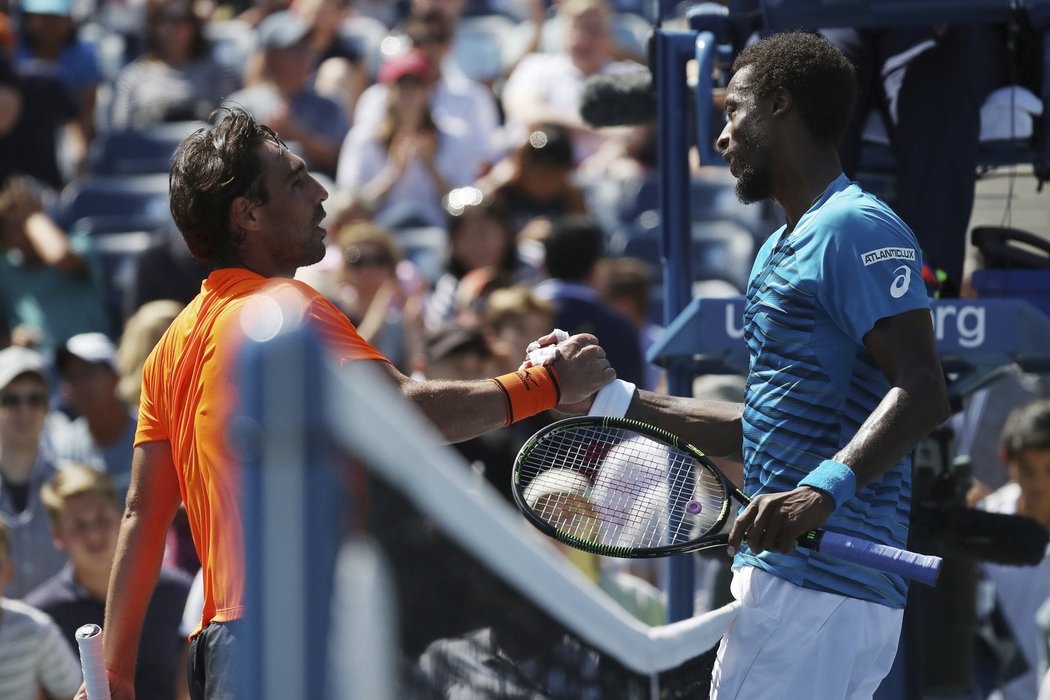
(613, 399)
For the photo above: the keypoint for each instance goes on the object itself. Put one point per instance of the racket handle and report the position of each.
(918, 567)
(96, 681)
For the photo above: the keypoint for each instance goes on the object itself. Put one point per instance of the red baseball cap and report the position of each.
(413, 62)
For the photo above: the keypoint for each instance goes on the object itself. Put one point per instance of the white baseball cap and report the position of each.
(16, 361)
(90, 347)
(555, 481)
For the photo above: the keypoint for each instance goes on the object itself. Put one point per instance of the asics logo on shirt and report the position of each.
(900, 282)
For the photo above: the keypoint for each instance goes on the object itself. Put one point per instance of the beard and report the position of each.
(754, 183)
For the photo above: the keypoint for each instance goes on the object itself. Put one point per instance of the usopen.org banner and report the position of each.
(985, 331)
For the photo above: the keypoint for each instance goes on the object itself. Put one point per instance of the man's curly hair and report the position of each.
(819, 77)
(212, 167)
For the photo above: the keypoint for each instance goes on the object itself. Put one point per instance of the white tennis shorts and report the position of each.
(790, 642)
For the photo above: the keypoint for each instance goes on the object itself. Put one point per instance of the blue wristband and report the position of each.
(833, 478)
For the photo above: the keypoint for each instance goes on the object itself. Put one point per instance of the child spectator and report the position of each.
(84, 509)
(1019, 591)
(24, 469)
(33, 657)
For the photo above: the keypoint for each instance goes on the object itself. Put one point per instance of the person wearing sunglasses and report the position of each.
(24, 401)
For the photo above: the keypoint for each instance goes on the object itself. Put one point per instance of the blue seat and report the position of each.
(127, 195)
(139, 151)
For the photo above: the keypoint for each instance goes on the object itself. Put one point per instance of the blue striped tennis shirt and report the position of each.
(813, 295)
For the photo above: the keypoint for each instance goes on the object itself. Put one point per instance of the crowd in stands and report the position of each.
(469, 214)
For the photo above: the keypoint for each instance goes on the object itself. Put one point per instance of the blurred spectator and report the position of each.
(456, 350)
(482, 256)
(165, 270)
(85, 510)
(177, 79)
(45, 285)
(342, 72)
(626, 284)
(24, 469)
(34, 661)
(927, 85)
(538, 179)
(400, 172)
(573, 249)
(387, 313)
(49, 47)
(545, 88)
(514, 317)
(285, 100)
(33, 110)
(102, 433)
(141, 333)
(1021, 590)
(459, 106)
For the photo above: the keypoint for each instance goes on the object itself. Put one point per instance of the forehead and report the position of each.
(26, 380)
(740, 86)
(278, 162)
(86, 504)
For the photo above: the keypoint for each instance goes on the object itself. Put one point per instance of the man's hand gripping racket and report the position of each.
(622, 488)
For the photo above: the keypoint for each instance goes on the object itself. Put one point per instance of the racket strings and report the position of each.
(611, 487)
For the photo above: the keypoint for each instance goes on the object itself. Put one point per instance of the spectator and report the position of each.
(33, 657)
(927, 85)
(512, 316)
(400, 172)
(49, 47)
(342, 72)
(141, 333)
(85, 510)
(176, 79)
(539, 179)
(386, 313)
(313, 125)
(1020, 591)
(625, 284)
(460, 106)
(545, 88)
(102, 433)
(24, 469)
(482, 256)
(165, 270)
(573, 249)
(45, 285)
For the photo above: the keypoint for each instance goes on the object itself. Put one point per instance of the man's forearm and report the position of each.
(905, 416)
(140, 551)
(713, 426)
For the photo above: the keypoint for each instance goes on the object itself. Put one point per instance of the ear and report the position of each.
(243, 216)
(781, 102)
(56, 539)
(7, 572)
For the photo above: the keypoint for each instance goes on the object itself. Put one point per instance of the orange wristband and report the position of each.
(529, 391)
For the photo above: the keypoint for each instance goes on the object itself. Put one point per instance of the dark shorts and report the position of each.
(212, 659)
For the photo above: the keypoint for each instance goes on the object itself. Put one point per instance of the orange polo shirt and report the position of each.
(188, 396)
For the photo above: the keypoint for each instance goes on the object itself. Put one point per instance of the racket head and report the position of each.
(621, 488)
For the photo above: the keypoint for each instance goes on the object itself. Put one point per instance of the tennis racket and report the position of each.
(96, 682)
(622, 488)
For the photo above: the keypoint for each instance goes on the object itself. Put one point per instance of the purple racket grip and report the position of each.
(918, 567)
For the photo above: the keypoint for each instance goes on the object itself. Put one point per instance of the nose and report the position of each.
(722, 142)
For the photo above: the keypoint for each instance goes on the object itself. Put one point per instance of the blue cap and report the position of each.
(281, 30)
(48, 7)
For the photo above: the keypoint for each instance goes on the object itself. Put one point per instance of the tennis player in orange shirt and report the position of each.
(246, 205)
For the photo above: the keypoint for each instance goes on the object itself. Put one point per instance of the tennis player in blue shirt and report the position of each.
(844, 379)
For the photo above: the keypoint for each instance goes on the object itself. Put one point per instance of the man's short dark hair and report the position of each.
(818, 75)
(1027, 428)
(212, 167)
(573, 247)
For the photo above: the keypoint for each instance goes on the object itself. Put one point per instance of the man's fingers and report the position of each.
(740, 528)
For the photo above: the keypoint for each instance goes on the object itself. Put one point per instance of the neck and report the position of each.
(94, 582)
(803, 180)
(16, 463)
(1042, 515)
(107, 426)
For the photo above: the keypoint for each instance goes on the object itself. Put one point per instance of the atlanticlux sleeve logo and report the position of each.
(880, 254)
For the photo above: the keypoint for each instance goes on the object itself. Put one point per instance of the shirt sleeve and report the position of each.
(150, 426)
(57, 667)
(871, 269)
(338, 335)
